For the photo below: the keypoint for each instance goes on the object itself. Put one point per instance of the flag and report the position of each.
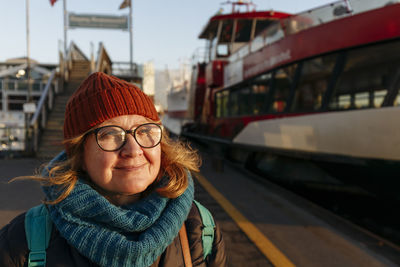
(126, 3)
(52, 2)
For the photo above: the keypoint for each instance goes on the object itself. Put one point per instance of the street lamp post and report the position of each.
(131, 35)
(28, 61)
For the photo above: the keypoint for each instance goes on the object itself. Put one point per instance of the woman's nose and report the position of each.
(131, 147)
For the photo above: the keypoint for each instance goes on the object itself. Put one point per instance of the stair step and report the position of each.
(54, 125)
(57, 115)
(52, 136)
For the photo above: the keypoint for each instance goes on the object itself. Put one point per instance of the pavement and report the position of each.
(18, 196)
(305, 238)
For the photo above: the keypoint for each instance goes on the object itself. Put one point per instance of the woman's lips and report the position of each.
(130, 167)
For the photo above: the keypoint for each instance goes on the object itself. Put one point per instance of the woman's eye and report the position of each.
(110, 133)
(144, 131)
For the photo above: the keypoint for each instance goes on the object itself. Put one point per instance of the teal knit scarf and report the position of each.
(134, 235)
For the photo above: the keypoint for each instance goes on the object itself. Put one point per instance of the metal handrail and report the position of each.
(42, 99)
(99, 57)
(67, 63)
(35, 127)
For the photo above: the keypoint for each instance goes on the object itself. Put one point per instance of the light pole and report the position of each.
(28, 61)
(131, 35)
(65, 27)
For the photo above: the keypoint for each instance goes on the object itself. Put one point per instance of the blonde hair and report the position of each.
(177, 159)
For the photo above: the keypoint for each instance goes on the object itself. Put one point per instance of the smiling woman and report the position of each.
(121, 191)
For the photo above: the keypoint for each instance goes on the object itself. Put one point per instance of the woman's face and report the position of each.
(124, 173)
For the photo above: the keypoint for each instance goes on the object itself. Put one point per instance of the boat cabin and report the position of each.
(227, 33)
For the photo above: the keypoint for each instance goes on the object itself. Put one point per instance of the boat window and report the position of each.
(222, 98)
(226, 32)
(234, 100)
(261, 25)
(240, 100)
(243, 30)
(247, 99)
(261, 87)
(218, 104)
(283, 80)
(274, 33)
(313, 83)
(379, 96)
(344, 101)
(222, 50)
(361, 100)
(369, 74)
(220, 46)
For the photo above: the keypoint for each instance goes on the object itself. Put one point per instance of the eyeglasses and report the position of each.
(112, 137)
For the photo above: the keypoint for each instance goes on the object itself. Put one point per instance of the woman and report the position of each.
(121, 191)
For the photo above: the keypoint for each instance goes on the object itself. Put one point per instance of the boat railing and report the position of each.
(200, 55)
(39, 119)
(306, 20)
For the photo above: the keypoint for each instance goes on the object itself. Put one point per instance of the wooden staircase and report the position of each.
(52, 136)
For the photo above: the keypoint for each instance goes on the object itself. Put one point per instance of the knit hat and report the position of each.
(101, 97)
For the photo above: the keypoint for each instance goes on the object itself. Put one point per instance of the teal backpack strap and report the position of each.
(207, 233)
(38, 230)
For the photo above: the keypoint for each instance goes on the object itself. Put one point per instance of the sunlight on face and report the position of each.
(124, 173)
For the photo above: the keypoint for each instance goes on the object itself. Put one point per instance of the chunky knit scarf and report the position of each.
(135, 235)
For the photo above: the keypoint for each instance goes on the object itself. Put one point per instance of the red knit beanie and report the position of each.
(101, 97)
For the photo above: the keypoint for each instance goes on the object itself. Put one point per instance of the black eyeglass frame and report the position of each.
(131, 132)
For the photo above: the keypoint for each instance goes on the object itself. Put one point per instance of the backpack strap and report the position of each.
(38, 230)
(207, 233)
(185, 246)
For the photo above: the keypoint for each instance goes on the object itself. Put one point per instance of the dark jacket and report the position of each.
(14, 250)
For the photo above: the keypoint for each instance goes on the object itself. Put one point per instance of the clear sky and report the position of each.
(164, 31)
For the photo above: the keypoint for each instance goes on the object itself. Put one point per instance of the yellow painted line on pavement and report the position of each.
(272, 253)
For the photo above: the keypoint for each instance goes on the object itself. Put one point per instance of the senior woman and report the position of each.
(121, 191)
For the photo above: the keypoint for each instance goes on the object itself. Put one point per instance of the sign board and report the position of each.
(29, 107)
(98, 21)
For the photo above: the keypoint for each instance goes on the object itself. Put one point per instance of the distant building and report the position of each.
(169, 80)
(148, 79)
(15, 92)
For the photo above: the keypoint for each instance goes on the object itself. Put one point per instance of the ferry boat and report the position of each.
(321, 85)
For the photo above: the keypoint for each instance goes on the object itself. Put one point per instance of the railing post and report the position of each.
(35, 138)
(28, 136)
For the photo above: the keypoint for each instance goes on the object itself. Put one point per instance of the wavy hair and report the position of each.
(177, 159)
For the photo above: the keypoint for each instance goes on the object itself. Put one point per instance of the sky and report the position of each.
(164, 32)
